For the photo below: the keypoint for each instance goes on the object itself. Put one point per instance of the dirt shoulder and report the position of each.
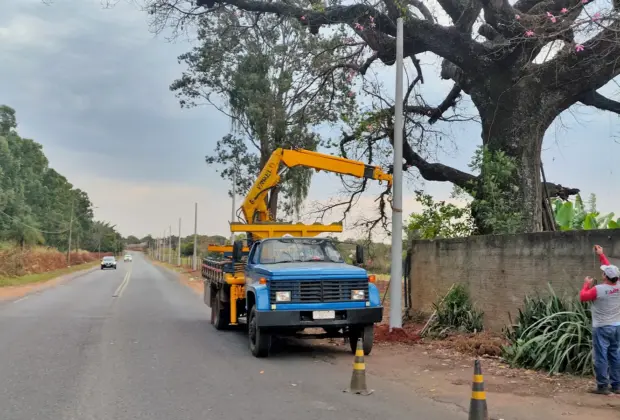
(44, 281)
(442, 370)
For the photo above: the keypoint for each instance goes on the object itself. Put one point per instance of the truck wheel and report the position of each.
(219, 314)
(367, 333)
(260, 341)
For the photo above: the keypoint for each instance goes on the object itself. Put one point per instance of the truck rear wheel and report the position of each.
(260, 341)
(219, 315)
(367, 334)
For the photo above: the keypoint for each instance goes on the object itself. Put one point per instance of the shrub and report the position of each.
(455, 313)
(551, 333)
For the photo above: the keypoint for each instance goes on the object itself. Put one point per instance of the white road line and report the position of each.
(120, 286)
(126, 283)
(20, 299)
(123, 285)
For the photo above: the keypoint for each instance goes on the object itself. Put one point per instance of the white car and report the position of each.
(128, 257)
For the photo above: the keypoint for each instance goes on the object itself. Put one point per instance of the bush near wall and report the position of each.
(15, 261)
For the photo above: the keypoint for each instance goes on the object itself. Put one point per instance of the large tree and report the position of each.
(266, 74)
(517, 92)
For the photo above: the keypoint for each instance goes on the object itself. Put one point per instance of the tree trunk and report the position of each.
(515, 123)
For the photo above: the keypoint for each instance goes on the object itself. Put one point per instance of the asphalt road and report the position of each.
(76, 352)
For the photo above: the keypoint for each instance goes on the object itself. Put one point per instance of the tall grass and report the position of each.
(17, 262)
(551, 333)
(455, 313)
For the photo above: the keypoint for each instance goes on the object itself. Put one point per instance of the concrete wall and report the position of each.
(501, 270)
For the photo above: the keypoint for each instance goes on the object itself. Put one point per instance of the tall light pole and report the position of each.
(396, 274)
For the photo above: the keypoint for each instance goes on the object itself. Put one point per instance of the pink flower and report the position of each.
(358, 26)
(369, 127)
(517, 17)
(579, 48)
(585, 1)
(372, 22)
(351, 94)
(564, 10)
(596, 17)
(553, 19)
(529, 33)
(303, 18)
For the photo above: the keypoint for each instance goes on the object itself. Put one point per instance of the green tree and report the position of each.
(37, 204)
(438, 219)
(268, 71)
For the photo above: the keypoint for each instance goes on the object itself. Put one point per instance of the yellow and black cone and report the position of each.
(478, 405)
(358, 379)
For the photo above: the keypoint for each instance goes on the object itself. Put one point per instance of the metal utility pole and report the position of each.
(195, 237)
(170, 245)
(70, 231)
(163, 246)
(179, 245)
(232, 215)
(396, 274)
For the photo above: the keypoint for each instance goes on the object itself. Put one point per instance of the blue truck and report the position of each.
(285, 285)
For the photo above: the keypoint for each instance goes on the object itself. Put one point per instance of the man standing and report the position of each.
(605, 300)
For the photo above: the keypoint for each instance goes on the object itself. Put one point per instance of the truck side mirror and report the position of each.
(237, 252)
(359, 254)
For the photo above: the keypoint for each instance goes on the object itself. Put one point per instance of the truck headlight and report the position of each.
(283, 296)
(358, 295)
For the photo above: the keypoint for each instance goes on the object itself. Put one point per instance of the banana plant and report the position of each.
(575, 216)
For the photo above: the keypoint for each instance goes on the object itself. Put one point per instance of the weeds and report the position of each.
(455, 313)
(551, 333)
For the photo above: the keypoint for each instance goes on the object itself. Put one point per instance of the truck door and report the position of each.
(252, 261)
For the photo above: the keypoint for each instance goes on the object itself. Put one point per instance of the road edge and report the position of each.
(48, 284)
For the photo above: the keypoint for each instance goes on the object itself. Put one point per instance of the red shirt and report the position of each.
(588, 292)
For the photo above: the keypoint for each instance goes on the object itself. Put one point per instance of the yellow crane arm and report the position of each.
(254, 205)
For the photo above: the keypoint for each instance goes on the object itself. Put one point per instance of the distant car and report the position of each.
(108, 262)
(128, 257)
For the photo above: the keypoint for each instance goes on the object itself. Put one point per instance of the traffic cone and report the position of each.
(358, 378)
(478, 404)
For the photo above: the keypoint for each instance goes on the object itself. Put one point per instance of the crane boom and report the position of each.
(254, 206)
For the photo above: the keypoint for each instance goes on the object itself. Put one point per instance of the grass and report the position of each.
(43, 277)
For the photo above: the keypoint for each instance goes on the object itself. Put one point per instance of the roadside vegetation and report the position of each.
(40, 210)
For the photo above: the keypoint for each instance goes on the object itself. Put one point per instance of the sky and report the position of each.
(91, 85)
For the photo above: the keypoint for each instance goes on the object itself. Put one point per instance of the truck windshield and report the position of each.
(298, 250)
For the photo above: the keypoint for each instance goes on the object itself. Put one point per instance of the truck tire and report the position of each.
(367, 333)
(219, 314)
(260, 341)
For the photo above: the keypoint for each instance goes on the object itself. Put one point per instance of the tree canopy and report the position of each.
(40, 206)
(522, 64)
(266, 74)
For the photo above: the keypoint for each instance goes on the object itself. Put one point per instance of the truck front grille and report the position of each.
(317, 291)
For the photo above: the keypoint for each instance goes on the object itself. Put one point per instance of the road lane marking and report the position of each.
(121, 286)
(20, 299)
(126, 283)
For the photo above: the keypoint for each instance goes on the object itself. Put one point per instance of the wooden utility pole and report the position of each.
(195, 236)
(70, 229)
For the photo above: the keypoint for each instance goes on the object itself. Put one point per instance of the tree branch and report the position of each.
(420, 35)
(595, 99)
(575, 73)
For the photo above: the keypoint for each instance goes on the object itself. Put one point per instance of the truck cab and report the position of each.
(296, 283)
